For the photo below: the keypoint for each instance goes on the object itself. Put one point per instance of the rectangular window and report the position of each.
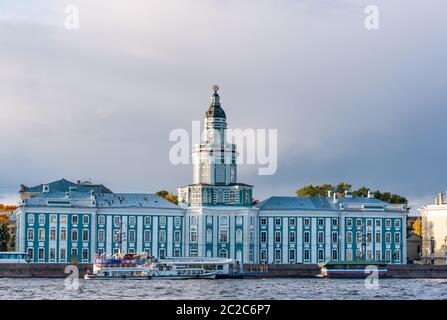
(320, 254)
(291, 254)
(53, 218)
(388, 223)
(30, 234)
(147, 235)
(377, 258)
(116, 221)
(85, 219)
(369, 223)
(387, 255)
(74, 252)
(349, 237)
(162, 221)
(223, 236)
(349, 223)
(397, 256)
(63, 254)
(74, 219)
(358, 223)
(132, 220)
(397, 223)
(116, 235)
(177, 236)
(334, 254)
(263, 255)
(378, 236)
(53, 233)
(30, 218)
(306, 255)
(292, 236)
(378, 222)
(131, 235)
(84, 254)
(52, 253)
(277, 222)
(349, 255)
(368, 255)
(63, 234)
(162, 236)
(41, 253)
(277, 236)
(334, 237)
(388, 237)
(263, 237)
(193, 235)
(278, 255)
(177, 221)
(41, 234)
(320, 237)
(368, 237)
(176, 252)
(85, 235)
(74, 235)
(162, 253)
(263, 222)
(397, 238)
(335, 222)
(101, 220)
(359, 237)
(306, 237)
(306, 222)
(41, 219)
(147, 221)
(320, 222)
(292, 222)
(64, 219)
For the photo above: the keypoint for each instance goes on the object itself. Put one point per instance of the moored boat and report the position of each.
(353, 269)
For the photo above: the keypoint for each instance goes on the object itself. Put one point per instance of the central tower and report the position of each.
(214, 165)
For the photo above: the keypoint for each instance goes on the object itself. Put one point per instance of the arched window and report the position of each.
(223, 253)
(239, 220)
(239, 235)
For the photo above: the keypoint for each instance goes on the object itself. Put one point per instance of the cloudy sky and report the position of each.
(364, 106)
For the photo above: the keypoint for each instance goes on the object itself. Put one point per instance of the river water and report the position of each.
(265, 289)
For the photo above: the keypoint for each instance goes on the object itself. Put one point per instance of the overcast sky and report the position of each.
(364, 106)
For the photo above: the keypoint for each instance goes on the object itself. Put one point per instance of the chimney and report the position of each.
(329, 193)
(370, 195)
(334, 197)
(45, 188)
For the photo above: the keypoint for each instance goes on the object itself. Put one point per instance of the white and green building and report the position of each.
(215, 218)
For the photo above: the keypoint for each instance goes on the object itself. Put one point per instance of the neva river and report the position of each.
(266, 289)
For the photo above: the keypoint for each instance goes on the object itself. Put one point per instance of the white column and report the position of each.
(215, 236)
(328, 244)
(109, 236)
(139, 234)
(285, 240)
(314, 240)
(170, 235)
(299, 240)
(232, 231)
(270, 241)
(155, 237)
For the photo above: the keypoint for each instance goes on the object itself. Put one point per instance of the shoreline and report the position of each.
(57, 270)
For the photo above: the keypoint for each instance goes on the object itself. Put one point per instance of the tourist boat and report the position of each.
(222, 267)
(121, 266)
(353, 269)
(173, 272)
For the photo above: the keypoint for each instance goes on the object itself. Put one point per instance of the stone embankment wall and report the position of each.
(417, 271)
(282, 270)
(39, 270)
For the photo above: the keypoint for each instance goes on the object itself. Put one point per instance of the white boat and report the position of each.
(122, 266)
(174, 272)
(222, 267)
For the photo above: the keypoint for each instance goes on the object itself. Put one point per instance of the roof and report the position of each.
(361, 200)
(296, 203)
(215, 110)
(64, 185)
(132, 200)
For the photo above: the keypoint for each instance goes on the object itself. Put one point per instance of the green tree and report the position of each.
(3, 236)
(311, 190)
(167, 196)
(361, 192)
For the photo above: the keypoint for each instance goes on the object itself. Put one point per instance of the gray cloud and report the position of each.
(362, 106)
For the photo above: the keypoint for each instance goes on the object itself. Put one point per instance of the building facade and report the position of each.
(434, 231)
(215, 217)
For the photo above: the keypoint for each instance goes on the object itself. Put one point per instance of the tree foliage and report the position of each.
(311, 190)
(417, 227)
(167, 196)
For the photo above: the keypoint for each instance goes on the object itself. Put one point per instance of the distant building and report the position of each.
(215, 218)
(434, 231)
